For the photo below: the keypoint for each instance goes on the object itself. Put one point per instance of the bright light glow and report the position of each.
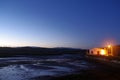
(103, 52)
(109, 46)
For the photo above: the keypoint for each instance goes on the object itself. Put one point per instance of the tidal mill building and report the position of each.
(106, 51)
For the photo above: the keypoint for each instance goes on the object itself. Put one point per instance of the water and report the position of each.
(28, 67)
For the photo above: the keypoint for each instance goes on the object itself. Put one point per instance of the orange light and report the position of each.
(109, 46)
(103, 52)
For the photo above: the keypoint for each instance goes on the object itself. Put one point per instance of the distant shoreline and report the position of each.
(9, 51)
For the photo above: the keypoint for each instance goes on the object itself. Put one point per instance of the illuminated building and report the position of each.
(106, 51)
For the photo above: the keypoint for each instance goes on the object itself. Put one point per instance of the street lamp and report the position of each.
(109, 46)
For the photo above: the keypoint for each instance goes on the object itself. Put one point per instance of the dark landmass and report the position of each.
(9, 51)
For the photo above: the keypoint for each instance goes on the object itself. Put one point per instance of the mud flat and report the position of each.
(101, 71)
(55, 67)
(42, 67)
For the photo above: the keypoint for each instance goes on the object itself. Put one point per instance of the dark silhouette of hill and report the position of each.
(9, 51)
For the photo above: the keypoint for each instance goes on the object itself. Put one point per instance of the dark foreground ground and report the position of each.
(56, 67)
(96, 71)
(102, 71)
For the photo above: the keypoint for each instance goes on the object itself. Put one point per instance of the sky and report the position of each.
(59, 23)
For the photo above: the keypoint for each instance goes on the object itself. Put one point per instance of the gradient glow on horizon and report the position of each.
(59, 23)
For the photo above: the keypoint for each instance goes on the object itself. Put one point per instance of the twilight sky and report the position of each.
(59, 23)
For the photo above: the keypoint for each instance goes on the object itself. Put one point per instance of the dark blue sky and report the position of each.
(59, 23)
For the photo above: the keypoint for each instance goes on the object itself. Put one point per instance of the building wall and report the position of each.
(113, 51)
(95, 51)
(116, 50)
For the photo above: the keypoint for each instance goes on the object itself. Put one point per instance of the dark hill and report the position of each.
(8, 51)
